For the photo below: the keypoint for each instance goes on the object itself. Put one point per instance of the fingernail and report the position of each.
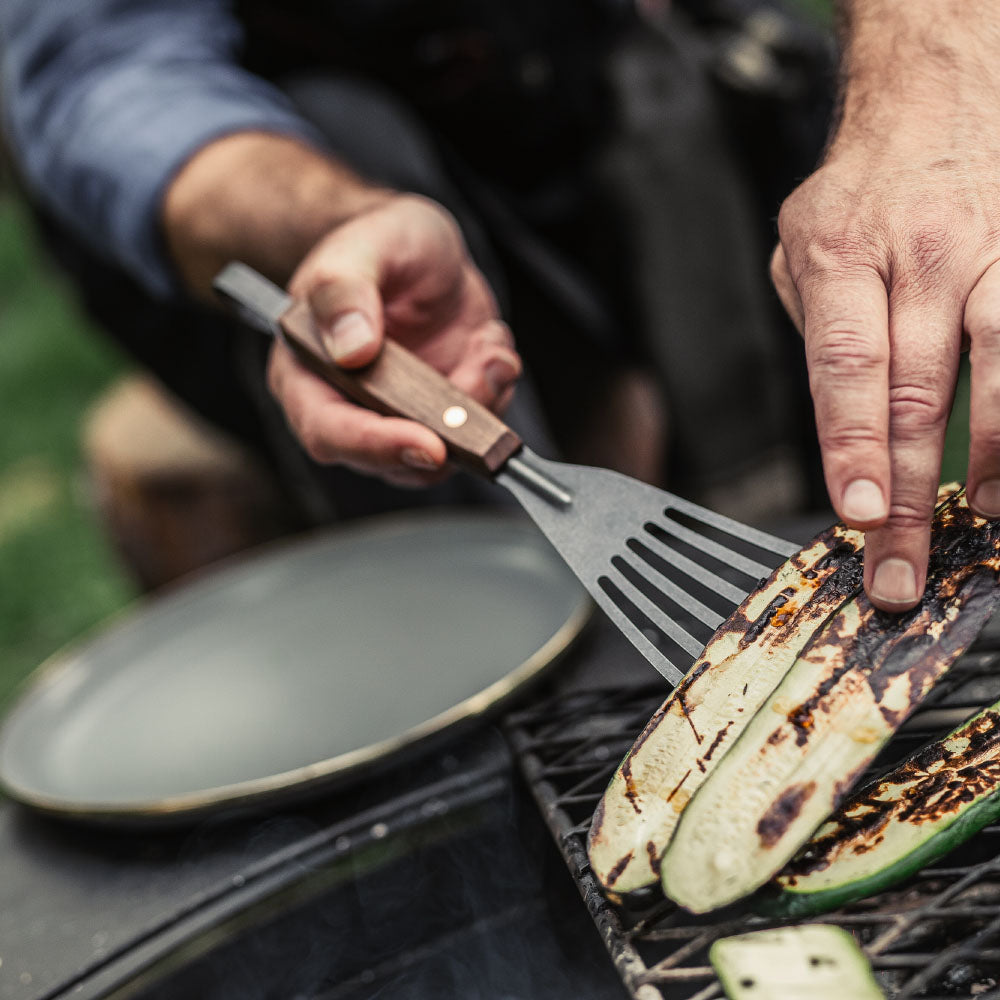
(350, 334)
(863, 501)
(894, 582)
(499, 375)
(417, 458)
(987, 499)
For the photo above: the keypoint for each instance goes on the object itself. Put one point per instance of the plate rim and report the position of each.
(308, 777)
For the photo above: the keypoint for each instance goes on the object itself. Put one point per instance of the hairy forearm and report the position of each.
(257, 197)
(927, 61)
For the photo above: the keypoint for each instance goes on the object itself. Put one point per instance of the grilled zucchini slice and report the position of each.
(738, 669)
(932, 802)
(855, 682)
(818, 961)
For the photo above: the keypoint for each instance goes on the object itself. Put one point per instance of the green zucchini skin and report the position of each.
(853, 685)
(906, 802)
(738, 669)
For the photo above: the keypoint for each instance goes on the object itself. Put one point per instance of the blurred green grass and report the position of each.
(822, 10)
(57, 574)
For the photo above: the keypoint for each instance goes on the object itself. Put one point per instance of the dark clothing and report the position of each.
(582, 154)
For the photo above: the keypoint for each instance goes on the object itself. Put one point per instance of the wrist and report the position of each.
(259, 197)
(927, 71)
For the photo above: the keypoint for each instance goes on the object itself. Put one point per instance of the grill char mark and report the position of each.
(616, 872)
(963, 567)
(783, 812)
(936, 783)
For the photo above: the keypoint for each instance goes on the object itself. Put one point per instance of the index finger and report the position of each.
(925, 335)
(846, 330)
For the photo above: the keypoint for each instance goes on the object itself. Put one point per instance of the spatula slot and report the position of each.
(636, 612)
(705, 601)
(735, 550)
(708, 569)
(686, 613)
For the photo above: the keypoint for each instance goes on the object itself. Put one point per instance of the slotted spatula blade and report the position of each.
(666, 571)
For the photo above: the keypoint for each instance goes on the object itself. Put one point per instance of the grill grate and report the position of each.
(934, 937)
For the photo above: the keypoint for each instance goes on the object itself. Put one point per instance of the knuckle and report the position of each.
(778, 267)
(426, 210)
(985, 441)
(370, 449)
(493, 334)
(916, 407)
(931, 245)
(826, 239)
(506, 334)
(842, 349)
(838, 251)
(986, 338)
(322, 437)
(926, 255)
(368, 444)
(909, 514)
(312, 445)
(800, 207)
(983, 327)
(854, 439)
(316, 445)
(325, 295)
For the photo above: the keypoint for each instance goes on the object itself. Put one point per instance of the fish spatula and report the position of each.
(666, 571)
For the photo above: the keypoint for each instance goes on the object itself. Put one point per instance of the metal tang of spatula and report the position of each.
(666, 571)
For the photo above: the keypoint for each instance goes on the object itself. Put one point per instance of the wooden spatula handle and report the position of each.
(397, 383)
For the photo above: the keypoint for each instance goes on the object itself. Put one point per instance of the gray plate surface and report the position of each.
(312, 660)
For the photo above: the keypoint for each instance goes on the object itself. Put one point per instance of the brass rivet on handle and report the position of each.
(455, 416)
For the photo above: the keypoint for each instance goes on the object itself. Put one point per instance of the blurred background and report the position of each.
(59, 575)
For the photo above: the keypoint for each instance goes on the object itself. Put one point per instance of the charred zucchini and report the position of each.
(852, 686)
(738, 669)
(816, 961)
(893, 827)
(692, 729)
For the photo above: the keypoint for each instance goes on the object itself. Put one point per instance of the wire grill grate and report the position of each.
(934, 937)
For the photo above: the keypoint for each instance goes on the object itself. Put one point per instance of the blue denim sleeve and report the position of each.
(105, 100)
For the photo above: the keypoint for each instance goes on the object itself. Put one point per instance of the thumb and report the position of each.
(339, 280)
(347, 310)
